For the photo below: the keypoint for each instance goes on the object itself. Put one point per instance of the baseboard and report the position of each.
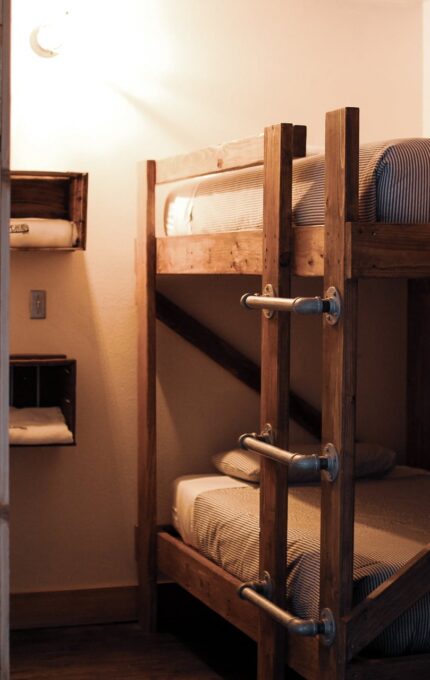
(73, 607)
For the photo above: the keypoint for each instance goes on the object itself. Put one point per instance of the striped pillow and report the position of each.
(371, 460)
(238, 463)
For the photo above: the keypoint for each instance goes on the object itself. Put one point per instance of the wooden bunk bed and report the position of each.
(342, 251)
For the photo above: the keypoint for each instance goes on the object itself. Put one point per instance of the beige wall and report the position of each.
(161, 77)
(426, 67)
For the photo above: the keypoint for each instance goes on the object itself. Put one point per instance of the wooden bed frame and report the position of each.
(342, 250)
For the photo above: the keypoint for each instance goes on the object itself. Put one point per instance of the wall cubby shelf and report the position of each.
(41, 381)
(51, 196)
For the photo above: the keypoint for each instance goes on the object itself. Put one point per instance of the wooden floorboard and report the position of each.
(116, 652)
(191, 642)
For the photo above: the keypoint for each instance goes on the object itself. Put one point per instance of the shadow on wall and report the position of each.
(71, 507)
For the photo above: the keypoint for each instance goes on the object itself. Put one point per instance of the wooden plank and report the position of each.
(241, 153)
(385, 604)
(308, 251)
(235, 252)
(390, 250)
(231, 359)
(4, 335)
(394, 668)
(418, 374)
(147, 510)
(79, 607)
(275, 365)
(205, 580)
(339, 382)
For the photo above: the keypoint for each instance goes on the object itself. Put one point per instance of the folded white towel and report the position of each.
(33, 232)
(38, 426)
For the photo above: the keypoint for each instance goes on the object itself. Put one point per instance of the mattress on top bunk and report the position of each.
(392, 525)
(393, 188)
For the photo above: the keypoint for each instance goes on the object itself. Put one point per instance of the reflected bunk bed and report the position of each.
(342, 250)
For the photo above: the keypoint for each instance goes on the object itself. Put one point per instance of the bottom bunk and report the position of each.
(218, 520)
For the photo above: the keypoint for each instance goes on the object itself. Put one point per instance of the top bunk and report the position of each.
(212, 205)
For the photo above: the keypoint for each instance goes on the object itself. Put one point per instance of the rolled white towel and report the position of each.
(38, 426)
(33, 232)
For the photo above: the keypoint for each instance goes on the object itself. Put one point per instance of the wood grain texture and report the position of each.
(231, 359)
(147, 502)
(418, 374)
(307, 257)
(339, 382)
(4, 334)
(120, 652)
(394, 668)
(48, 195)
(275, 366)
(237, 252)
(73, 607)
(205, 580)
(390, 250)
(241, 153)
(385, 604)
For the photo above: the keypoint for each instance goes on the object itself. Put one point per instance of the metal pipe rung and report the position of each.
(329, 305)
(298, 305)
(310, 463)
(325, 627)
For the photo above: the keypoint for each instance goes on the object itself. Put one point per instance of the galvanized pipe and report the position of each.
(298, 305)
(306, 627)
(307, 463)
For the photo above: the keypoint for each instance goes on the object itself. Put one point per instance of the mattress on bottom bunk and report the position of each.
(392, 525)
(394, 181)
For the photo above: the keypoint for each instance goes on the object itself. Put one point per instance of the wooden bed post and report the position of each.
(147, 510)
(275, 367)
(339, 381)
(418, 374)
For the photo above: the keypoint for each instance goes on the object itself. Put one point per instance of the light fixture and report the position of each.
(48, 39)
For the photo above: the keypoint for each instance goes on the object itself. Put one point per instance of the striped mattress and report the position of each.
(392, 525)
(394, 188)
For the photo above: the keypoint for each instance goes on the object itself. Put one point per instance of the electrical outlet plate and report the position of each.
(38, 304)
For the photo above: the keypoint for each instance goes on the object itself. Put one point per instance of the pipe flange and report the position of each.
(268, 291)
(333, 296)
(263, 587)
(331, 455)
(328, 624)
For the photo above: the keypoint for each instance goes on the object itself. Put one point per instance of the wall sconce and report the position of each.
(47, 40)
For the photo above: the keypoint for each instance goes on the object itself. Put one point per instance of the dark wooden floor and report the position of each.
(116, 652)
(192, 643)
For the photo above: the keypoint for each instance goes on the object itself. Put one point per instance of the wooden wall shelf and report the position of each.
(43, 381)
(51, 195)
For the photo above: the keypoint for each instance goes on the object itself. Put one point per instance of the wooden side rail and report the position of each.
(373, 250)
(387, 602)
(241, 153)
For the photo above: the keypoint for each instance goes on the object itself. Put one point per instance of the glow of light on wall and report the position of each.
(109, 62)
